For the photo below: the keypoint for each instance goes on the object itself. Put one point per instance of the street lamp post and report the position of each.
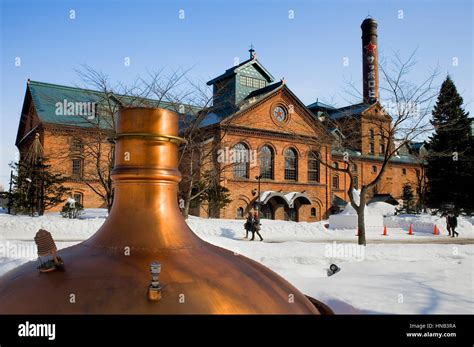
(258, 203)
(10, 200)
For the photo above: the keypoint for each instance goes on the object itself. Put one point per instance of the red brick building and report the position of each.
(294, 145)
(287, 143)
(291, 143)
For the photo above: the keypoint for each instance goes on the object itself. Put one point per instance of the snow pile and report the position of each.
(25, 227)
(347, 219)
(349, 210)
(381, 208)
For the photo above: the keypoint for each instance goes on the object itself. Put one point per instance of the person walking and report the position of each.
(448, 226)
(256, 226)
(453, 223)
(248, 224)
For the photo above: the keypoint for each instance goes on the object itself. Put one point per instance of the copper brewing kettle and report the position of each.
(110, 272)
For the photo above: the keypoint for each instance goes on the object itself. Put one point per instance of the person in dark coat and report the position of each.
(448, 227)
(256, 226)
(451, 224)
(248, 225)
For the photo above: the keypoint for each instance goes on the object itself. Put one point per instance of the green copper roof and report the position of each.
(405, 159)
(236, 69)
(52, 101)
(320, 105)
(47, 98)
(348, 111)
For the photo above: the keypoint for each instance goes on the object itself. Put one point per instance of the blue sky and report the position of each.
(308, 50)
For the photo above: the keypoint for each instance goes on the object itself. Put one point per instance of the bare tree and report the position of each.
(103, 100)
(199, 161)
(407, 108)
(173, 91)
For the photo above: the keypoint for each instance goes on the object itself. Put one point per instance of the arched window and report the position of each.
(266, 162)
(241, 163)
(313, 212)
(313, 167)
(291, 165)
(240, 212)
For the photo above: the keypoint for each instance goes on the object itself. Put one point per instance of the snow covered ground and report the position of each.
(398, 273)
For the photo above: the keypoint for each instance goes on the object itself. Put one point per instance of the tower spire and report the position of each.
(252, 52)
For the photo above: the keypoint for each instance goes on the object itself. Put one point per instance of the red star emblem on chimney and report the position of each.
(370, 47)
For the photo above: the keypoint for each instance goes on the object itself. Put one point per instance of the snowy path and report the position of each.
(443, 241)
(446, 241)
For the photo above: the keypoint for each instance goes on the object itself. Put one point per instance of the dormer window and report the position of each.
(233, 87)
(252, 82)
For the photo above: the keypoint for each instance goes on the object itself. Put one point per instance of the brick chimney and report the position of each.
(370, 70)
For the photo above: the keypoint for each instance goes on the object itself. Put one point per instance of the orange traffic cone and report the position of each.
(385, 230)
(410, 231)
(435, 230)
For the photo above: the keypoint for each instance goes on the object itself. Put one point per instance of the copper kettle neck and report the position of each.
(145, 211)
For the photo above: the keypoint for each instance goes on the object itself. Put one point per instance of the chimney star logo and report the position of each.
(370, 47)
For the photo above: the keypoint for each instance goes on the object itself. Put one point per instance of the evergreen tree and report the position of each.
(35, 187)
(408, 198)
(216, 197)
(449, 160)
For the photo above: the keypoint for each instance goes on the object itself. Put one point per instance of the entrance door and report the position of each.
(267, 212)
(291, 214)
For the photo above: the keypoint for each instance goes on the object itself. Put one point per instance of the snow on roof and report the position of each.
(288, 197)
